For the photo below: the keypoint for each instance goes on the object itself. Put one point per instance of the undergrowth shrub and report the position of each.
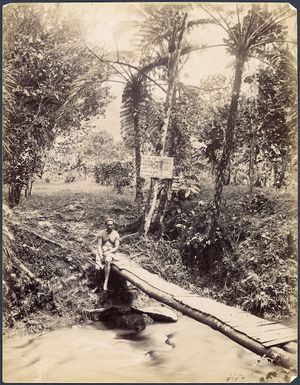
(257, 268)
(117, 174)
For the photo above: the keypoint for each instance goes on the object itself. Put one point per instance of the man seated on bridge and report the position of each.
(108, 243)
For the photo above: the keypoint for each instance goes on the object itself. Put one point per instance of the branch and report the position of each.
(273, 41)
(271, 26)
(184, 62)
(114, 81)
(98, 57)
(251, 21)
(32, 276)
(126, 237)
(126, 72)
(44, 238)
(141, 72)
(71, 250)
(209, 89)
(192, 23)
(230, 31)
(111, 62)
(265, 27)
(162, 61)
(216, 20)
(209, 46)
(270, 65)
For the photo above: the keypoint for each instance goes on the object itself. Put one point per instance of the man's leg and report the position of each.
(98, 273)
(108, 259)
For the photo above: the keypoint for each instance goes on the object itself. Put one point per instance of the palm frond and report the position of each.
(137, 101)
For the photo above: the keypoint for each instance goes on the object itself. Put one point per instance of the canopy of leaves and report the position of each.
(38, 97)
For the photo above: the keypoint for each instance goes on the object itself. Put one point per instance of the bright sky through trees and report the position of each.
(108, 25)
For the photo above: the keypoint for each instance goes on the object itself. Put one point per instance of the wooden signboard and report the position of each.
(157, 167)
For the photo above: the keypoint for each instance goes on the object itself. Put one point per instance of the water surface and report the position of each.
(187, 351)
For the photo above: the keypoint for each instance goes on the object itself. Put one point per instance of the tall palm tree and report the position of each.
(245, 40)
(139, 113)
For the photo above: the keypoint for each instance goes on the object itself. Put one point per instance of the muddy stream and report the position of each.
(186, 351)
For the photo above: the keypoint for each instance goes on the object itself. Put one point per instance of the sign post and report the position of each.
(160, 167)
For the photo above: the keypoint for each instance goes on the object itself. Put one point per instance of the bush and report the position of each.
(252, 260)
(70, 178)
(117, 174)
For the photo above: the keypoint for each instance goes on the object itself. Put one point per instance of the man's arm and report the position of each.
(117, 244)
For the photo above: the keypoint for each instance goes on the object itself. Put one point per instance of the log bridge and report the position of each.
(266, 338)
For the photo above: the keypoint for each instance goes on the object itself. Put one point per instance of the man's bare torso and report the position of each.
(108, 239)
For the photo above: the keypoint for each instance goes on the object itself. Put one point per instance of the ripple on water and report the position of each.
(183, 352)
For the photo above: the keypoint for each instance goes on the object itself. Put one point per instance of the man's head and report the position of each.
(109, 223)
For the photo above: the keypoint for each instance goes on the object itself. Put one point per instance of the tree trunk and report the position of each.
(165, 196)
(139, 195)
(163, 205)
(281, 174)
(150, 205)
(14, 194)
(252, 161)
(275, 169)
(28, 187)
(174, 55)
(229, 139)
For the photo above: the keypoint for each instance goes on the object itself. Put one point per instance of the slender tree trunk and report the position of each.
(163, 205)
(229, 139)
(14, 194)
(281, 174)
(275, 168)
(139, 196)
(30, 187)
(150, 205)
(252, 160)
(167, 185)
(174, 55)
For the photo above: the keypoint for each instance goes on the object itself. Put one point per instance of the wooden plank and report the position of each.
(241, 322)
(278, 341)
(245, 327)
(283, 330)
(247, 323)
(267, 336)
(203, 303)
(260, 323)
(263, 328)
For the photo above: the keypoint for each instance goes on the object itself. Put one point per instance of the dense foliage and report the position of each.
(74, 156)
(117, 174)
(39, 83)
(257, 266)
